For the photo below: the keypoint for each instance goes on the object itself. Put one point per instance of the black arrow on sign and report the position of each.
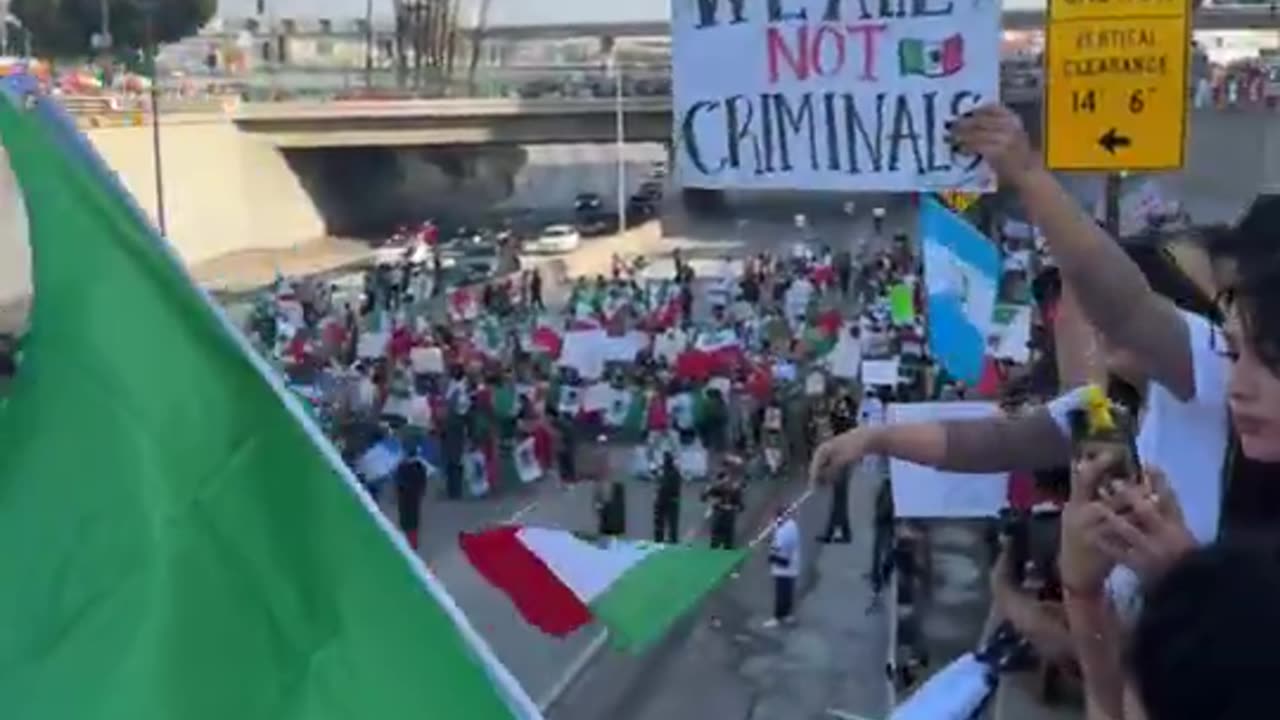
(1112, 140)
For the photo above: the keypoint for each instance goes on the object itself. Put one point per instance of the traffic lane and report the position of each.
(627, 686)
(723, 663)
(775, 230)
(538, 661)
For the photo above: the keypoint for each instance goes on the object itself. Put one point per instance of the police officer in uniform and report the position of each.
(666, 502)
(842, 419)
(725, 496)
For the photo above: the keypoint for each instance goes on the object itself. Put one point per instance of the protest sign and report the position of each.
(881, 372)
(925, 492)
(902, 304)
(693, 461)
(1010, 337)
(826, 95)
(845, 360)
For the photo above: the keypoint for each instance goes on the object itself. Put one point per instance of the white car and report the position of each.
(415, 253)
(556, 239)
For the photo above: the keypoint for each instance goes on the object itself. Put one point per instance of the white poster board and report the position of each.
(821, 95)
(583, 350)
(887, 373)
(1013, 339)
(923, 492)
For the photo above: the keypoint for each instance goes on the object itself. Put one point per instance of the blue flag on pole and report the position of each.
(961, 275)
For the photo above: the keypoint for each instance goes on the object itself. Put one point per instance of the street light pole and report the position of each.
(105, 9)
(620, 123)
(4, 27)
(368, 44)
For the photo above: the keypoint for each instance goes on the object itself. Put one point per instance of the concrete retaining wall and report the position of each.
(15, 257)
(1231, 158)
(225, 191)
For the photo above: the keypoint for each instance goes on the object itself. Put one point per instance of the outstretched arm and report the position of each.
(1034, 441)
(1110, 288)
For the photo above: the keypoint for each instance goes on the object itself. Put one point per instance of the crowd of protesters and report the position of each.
(483, 388)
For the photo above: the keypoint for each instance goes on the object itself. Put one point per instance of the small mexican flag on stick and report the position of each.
(560, 582)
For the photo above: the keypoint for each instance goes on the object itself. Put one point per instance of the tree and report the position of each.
(63, 28)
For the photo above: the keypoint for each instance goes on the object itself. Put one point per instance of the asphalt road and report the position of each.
(723, 664)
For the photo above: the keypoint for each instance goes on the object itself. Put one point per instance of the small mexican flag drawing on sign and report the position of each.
(928, 58)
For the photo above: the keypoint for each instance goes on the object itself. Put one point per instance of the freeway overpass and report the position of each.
(462, 122)
(1207, 18)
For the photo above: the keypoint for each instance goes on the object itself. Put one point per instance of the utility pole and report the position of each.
(4, 27)
(477, 41)
(368, 44)
(1111, 201)
(620, 127)
(105, 10)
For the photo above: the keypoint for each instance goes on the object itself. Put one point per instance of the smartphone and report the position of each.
(1126, 466)
(1119, 443)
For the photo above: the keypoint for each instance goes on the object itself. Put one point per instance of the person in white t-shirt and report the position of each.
(784, 565)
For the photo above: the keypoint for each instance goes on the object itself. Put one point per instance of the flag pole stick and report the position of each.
(156, 153)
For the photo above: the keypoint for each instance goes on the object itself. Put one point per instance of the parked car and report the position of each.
(597, 224)
(587, 202)
(475, 257)
(650, 189)
(555, 239)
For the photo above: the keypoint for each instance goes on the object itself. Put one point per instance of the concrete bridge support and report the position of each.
(225, 191)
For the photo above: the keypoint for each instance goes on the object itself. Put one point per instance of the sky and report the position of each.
(501, 12)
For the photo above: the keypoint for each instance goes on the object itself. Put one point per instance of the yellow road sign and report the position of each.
(1116, 94)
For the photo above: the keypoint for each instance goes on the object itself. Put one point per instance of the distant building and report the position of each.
(320, 34)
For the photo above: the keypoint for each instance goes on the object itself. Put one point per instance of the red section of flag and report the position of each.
(543, 601)
(549, 341)
(829, 322)
(542, 444)
(989, 384)
(726, 360)
(823, 275)
(953, 54)
(659, 419)
(760, 382)
(694, 365)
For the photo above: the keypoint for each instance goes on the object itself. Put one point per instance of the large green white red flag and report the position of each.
(180, 542)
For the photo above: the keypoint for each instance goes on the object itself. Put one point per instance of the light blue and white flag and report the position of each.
(961, 273)
(955, 693)
(379, 462)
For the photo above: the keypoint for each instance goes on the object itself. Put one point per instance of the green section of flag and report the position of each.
(647, 600)
(633, 424)
(1004, 313)
(911, 57)
(819, 341)
(178, 543)
(505, 401)
(902, 304)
